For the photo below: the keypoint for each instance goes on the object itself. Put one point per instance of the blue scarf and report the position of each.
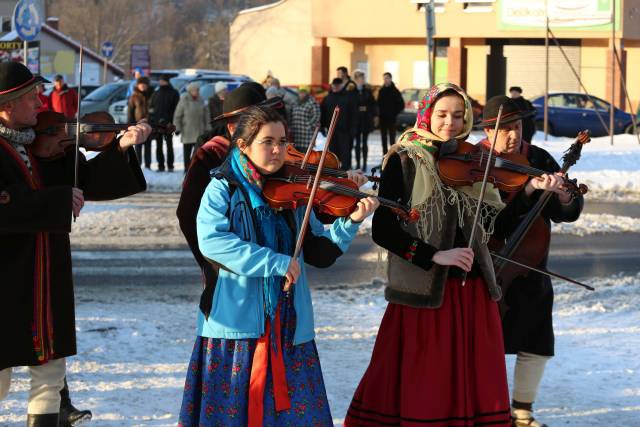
(273, 230)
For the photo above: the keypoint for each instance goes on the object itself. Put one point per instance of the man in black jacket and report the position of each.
(527, 323)
(162, 106)
(347, 121)
(528, 123)
(390, 104)
(37, 199)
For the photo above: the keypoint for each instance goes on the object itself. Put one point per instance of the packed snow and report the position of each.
(135, 341)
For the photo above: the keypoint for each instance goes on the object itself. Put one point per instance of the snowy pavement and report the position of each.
(135, 340)
(610, 171)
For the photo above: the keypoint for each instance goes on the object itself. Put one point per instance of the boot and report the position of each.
(42, 420)
(69, 414)
(524, 418)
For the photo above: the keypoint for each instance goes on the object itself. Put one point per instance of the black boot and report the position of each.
(69, 414)
(42, 420)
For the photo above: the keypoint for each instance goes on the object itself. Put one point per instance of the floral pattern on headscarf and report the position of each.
(425, 109)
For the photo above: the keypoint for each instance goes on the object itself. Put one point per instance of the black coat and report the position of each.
(390, 103)
(367, 109)
(26, 215)
(347, 120)
(527, 324)
(163, 104)
(528, 123)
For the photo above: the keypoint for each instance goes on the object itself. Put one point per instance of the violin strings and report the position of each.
(351, 192)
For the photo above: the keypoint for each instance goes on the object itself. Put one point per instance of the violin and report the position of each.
(464, 164)
(295, 158)
(97, 132)
(534, 230)
(291, 187)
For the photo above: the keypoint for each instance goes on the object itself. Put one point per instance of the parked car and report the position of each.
(179, 82)
(101, 98)
(412, 98)
(233, 81)
(119, 110)
(571, 112)
(86, 89)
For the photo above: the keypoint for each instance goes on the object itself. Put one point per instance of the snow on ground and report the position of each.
(612, 172)
(135, 341)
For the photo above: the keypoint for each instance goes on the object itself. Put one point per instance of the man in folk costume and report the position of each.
(37, 199)
(527, 323)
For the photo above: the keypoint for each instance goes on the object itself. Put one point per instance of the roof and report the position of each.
(12, 35)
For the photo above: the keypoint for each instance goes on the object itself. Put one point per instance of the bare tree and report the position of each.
(182, 33)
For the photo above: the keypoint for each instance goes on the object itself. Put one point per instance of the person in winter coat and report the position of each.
(44, 99)
(137, 110)
(191, 119)
(439, 348)
(37, 200)
(390, 104)
(367, 111)
(305, 118)
(347, 121)
(254, 353)
(527, 323)
(163, 105)
(215, 102)
(63, 99)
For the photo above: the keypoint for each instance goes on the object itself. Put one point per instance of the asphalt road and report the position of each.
(573, 256)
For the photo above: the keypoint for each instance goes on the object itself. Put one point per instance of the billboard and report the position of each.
(585, 15)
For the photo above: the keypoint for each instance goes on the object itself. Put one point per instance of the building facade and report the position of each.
(485, 46)
(54, 53)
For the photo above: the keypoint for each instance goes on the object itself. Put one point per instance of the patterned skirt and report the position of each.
(216, 391)
(437, 368)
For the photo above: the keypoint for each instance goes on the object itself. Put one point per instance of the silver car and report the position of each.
(101, 98)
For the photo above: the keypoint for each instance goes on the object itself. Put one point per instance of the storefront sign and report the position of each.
(594, 15)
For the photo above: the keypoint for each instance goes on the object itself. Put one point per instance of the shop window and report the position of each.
(474, 6)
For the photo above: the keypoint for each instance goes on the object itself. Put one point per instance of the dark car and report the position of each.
(571, 112)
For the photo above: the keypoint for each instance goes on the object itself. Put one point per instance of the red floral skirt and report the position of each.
(437, 368)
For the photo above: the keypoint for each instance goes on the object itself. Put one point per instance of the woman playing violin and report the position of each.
(438, 357)
(528, 324)
(254, 361)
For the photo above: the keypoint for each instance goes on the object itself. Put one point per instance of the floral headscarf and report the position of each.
(423, 118)
(429, 193)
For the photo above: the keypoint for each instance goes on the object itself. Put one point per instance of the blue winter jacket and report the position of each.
(227, 236)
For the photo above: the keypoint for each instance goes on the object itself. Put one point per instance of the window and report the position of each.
(556, 101)
(474, 6)
(591, 103)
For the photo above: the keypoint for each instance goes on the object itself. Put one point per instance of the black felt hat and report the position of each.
(510, 112)
(243, 97)
(16, 80)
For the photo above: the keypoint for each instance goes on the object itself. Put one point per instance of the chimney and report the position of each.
(53, 22)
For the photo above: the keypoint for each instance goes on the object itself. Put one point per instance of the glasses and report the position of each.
(270, 143)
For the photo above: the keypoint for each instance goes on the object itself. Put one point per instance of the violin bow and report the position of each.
(314, 189)
(310, 148)
(543, 271)
(75, 168)
(484, 187)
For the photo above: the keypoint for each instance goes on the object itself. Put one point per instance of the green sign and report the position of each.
(583, 15)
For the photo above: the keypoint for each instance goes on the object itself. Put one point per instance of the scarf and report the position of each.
(429, 193)
(273, 230)
(21, 137)
(18, 140)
